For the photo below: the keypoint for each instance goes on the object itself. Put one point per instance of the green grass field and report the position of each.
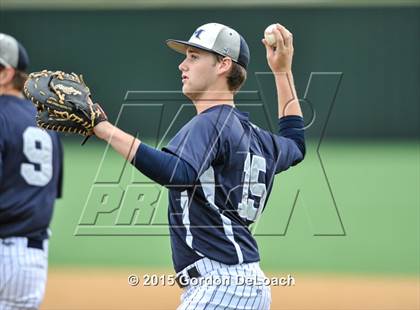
(375, 186)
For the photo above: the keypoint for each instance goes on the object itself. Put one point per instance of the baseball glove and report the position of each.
(63, 102)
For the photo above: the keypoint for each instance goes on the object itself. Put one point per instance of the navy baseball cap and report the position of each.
(12, 53)
(216, 38)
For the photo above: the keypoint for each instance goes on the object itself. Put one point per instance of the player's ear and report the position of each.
(6, 75)
(225, 64)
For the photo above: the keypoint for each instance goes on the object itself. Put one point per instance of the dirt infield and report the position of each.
(84, 289)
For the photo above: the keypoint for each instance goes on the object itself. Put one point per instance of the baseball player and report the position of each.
(219, 167)
(30, 181)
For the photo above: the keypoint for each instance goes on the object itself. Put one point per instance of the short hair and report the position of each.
(236, 76)
(19, 78)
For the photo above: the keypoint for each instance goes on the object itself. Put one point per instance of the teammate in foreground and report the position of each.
(219, 167)
(30, 181)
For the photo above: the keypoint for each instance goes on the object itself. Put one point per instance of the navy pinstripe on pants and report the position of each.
(219, 287)
(23, 274)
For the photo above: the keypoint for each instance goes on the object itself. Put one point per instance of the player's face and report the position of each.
(198, 73)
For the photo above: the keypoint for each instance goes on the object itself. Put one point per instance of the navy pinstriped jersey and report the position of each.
(30, 171)
(236, 162)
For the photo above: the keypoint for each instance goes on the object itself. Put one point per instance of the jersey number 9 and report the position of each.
(37, 147)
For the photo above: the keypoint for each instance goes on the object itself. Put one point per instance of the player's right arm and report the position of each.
(280, 61)
(291, 143)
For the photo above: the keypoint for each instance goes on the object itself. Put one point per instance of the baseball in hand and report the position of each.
(269, 35)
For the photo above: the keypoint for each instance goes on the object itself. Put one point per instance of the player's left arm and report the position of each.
(125, 144)
(164, 168)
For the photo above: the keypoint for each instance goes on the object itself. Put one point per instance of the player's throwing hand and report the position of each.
(280, 54)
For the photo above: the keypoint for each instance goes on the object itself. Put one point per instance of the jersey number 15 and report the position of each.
(247, 208)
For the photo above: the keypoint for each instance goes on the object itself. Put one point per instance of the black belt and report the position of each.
(36, 244)
(32, 243)
(183, 281)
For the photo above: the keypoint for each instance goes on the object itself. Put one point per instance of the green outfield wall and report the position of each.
(365, 58)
